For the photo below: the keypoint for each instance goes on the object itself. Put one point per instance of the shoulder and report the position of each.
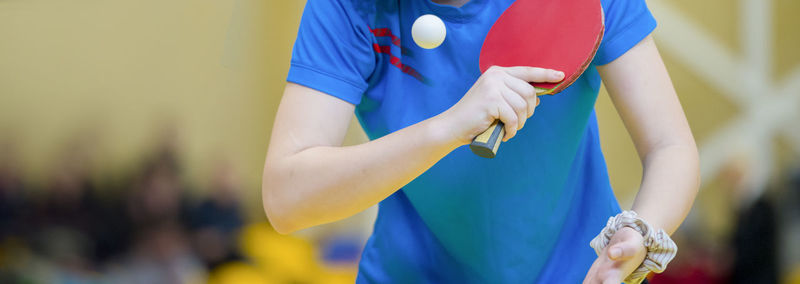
(617, 9)
(627, 22)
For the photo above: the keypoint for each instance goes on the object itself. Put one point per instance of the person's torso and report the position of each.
(471, 219)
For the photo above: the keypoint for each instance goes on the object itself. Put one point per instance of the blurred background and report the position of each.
(133, 134)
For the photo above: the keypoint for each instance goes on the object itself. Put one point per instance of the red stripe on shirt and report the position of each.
(394, 60)
(386, 32)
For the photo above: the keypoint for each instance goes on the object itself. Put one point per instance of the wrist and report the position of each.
(653, 218)
(441, 128)
(660, 248)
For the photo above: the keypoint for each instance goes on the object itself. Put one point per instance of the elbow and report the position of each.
(279, 218)
(280, 223)
(693, 160)
(279, 213)
(696, 159)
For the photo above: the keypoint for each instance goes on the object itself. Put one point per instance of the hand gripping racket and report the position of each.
(556, 34)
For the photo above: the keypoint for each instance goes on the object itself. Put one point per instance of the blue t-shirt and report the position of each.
(527, 215)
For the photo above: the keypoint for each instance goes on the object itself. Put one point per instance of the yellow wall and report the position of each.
(121, 68)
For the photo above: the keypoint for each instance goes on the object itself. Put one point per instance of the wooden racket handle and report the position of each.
(487, 143)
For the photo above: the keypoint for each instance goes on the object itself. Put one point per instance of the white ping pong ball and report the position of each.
(428, 31)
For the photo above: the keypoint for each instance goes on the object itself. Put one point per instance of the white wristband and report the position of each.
(660, 248)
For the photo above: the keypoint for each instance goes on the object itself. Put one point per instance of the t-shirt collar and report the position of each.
(456, 14)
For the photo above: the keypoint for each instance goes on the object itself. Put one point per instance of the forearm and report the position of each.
(642, 92)
(669, 185)
(309, 180)
(324, 184)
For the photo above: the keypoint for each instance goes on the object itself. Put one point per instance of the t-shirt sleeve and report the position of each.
(627, 22)
(333, 50)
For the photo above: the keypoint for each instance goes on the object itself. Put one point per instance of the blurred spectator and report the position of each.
(789, 206)
(65, 222)
(159, 256)
(12, 193)
(751, 254)
(155, 198)
(12, 212)
(754, 237)
(156, 208)
(755, 244)
(139, 226)
(216, 220)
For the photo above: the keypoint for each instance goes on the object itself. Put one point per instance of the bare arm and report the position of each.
(310, 179)
(642, 92)
(649, 107)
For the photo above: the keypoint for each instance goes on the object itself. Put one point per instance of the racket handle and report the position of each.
(487, 143)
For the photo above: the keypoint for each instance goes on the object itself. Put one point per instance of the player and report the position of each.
(445, 214)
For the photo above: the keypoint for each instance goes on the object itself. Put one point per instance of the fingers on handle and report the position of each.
(524, 90)
(519, 105)
(532, 107)
(521, 87)
(509, 118)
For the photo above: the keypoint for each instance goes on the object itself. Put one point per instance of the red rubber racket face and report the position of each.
(556, 34)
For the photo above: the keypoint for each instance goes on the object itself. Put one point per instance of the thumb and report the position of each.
(622, 251)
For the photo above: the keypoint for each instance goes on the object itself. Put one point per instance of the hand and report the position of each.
(500, 93)
(623, 254)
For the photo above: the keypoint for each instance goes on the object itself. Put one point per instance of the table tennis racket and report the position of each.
(562, 35)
